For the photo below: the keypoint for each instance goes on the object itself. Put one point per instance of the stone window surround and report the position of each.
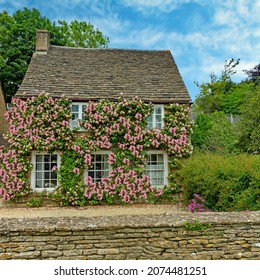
(164, 170)
(33, 172)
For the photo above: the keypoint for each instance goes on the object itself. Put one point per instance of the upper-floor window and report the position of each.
(44, 174)
(77, 110)
(155, 120)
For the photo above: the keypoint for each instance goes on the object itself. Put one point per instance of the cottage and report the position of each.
(85, 75)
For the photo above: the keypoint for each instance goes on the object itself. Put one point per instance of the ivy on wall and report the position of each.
(42, 124)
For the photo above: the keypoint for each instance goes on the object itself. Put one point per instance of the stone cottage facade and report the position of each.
(85, 75)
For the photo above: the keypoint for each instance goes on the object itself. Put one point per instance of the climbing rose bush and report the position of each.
(43, 124)
(39, 124)
(13, 170)
(121, 186)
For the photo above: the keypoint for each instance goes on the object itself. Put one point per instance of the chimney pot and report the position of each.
(42, 41)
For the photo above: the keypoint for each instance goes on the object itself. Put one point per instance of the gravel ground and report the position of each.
(90, 211)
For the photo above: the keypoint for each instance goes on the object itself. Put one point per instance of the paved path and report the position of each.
(90, 211)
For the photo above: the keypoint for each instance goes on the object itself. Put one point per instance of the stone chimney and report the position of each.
(42, 41)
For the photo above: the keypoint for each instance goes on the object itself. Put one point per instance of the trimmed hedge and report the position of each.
(227, 183)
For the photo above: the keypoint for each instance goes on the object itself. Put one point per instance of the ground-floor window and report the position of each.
(44, 175)
(100, 167)
(157, 168)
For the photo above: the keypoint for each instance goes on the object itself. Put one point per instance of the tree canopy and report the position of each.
(221, 96)
(254, 73)
(17, 42)
(219, 92)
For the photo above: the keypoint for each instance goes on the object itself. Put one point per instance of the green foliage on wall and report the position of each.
(42, 124)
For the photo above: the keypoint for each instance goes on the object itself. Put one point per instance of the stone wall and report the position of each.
(164, 236)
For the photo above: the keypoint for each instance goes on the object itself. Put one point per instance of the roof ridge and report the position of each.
(107, 49)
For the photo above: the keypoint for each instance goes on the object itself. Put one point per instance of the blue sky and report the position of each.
(201, 34)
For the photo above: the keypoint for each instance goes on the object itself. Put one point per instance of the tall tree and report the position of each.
(254, 73)
(213, 93)
(17, 42)
(81, 34)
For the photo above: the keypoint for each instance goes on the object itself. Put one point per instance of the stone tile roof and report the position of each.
(91, 74)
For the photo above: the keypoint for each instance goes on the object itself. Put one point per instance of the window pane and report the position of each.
(74, 123)
(54, 158)
(153, 158)
(75, 108)
(47, 166)
(39, 166)
(150, 119)
(158, 118)
(47, 158)
(158, 125)
(100, 167)
(38, 158)
(53, 183)
(38, 175)
(38, 184)
(158, 110)
(97, 158)
(160, 157)
(75, 116)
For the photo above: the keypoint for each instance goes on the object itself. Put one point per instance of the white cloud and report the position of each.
(237, 13)
(151, 6)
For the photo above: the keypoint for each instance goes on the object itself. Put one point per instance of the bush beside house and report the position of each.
(226, 183)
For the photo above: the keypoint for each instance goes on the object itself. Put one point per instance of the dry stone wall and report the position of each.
(165, 236)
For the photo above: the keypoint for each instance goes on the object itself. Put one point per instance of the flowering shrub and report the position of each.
(120, 186)
(13, 170)
(43, 124)
(227, 183)
(197, 204)
(39, 124)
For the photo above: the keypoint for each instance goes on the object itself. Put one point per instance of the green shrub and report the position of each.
(214, 133)
(227, 183)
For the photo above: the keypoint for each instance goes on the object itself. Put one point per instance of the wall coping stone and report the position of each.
(73, 223)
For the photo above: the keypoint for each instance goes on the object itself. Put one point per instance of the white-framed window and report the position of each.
(44, 172)
(100, 167)
(77, 110)
(155, 120)
(157, 168)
